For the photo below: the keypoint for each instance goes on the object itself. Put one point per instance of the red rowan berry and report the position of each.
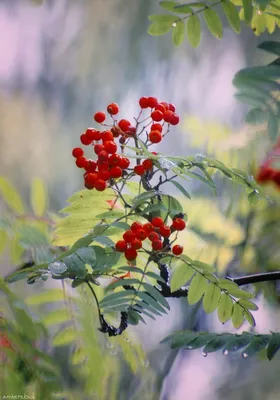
(156, 127)
(104, 175)
(139, 170)
(99, 117)
(148, 227)
(103, 156)
(130, 254)
(90, 166)
(91, 178)
(165, 231)
(124, 163)
(152, 102)
(81, 162)
(155, 136)
(85, 140)
(110, 147)
(167, 116)
(174, 120)
(160, 107)
(141, 234)
(90, 133)
(121, 246)
(171, 107)
(114, 160)
(130, 131)
(95, 135)
(143, 102)
(157, 115)
(147, 164)
(98, 148)
(177, 249)
(124, 124)
(153, 236)
(128, 236)
(122, 140)
(100, 185)
(157, 244)
(135, 226)
(178, 224)
(165, 105)
(136, 244)
(77, 152)
(102, 166)
(115, 172)
(107, 136)
(113, 108)
(157, 222)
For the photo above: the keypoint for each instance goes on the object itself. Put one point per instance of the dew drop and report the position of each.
(204, 354)
(225, 352)
(189, 347)
(174, 24)
(245, 355)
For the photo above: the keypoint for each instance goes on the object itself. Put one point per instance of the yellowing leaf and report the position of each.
(38, 197)
(65, 336)
(11, 196)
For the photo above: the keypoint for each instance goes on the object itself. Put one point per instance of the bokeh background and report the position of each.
(63, 60)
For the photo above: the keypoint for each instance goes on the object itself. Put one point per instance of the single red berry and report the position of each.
(157, 115)
(100, 185)
(98, 148)
(157, 244)
(81, 162)
(155, 136)
(102, 166)
(91, 134)
(152, 102)
(121, 246)
(104, 175)
(130, 131)
(147, 164)
(139, 170)
(90, 166)
(85, 140)
(143, 102)
(171, 107)
(103, 156)
(160, 107)
(91, 178)
(154, 153)
(124, 124)
(178, 224)
(124, 163)
(165, 231)
(128, 236)
(114, 160)
(156, 127)
(110, 147)
(136, 244)
(95, 135)
(130, 254)
(167, 116)
(148, 227)
(77, 152)
(157, 222)
(141, 234)
(135, 226)
(99, 117)
(115, 172)
(107, 136)
(113, 108)
(164, 104)
(153, 236)
(175, 119)
(177, 249)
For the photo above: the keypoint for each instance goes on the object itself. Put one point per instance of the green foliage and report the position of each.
(250, 343)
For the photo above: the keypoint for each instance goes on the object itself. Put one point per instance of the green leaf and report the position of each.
(181, 188)
(56, 317)
(197, 288)
(11, 196)
(213, 23)
(248, 304)
(172, 205)
(169, 5)
(24, 321)
(248, 10)
(201, 340)
(162, 18)
(237, 316)
(211, 298)
(217, 343)
(65, 337)
(237, 343)
(273, 346)
(156, 295)
(253, 197)
(273, 127)
(257, 344)
(232, 15)
(159, 28)
(183, 9)
(48, 296)
(181, 275)
(57, 268)
(178, 33)
(194, 30)
(76, 265)
(122, 282)
(143, 197)
(119, 296)
(271, 47)
(38, 197)
(104, 240)
(241, 294)
(3, 240)
(249, 99)
(225, 308)
(256, 116)
(114, 214)
(249, 318)
(203, 266)
(151, 302)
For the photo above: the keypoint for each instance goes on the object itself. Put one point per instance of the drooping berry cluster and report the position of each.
(108, 165)
(155, 231)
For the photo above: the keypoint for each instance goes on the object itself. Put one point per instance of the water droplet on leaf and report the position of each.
(204, 354)
(245, 355)
(225, 352)
(174, 24)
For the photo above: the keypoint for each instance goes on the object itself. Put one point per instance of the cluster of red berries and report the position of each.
(269, 170)
(155, 231)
